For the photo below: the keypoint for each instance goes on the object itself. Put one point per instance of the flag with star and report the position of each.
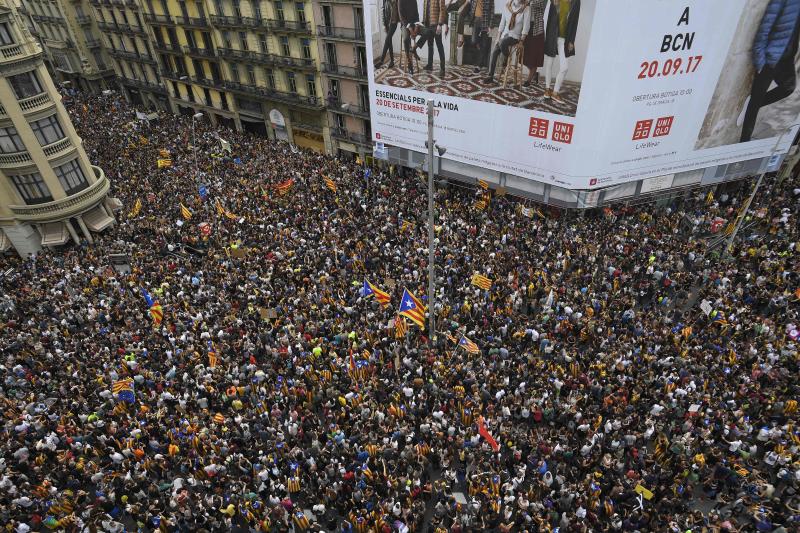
(412, 308)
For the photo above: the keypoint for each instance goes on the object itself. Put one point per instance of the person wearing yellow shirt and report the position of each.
(560, 29)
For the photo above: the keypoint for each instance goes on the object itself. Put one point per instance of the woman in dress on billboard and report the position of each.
(560, 28)
(391, 19)
(533, 57)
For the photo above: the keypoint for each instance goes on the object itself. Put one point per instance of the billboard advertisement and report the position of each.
(586, 93)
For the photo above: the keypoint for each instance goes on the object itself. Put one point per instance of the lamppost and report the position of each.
(196, 116)
(746, 208)
(431, 220)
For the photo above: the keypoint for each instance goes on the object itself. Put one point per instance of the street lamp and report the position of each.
(430, 144)
(740, 218)
(196, 116)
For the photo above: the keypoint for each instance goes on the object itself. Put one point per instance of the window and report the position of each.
(207, 95)
(243, 40)
(279, 10)
(256, 9)
(301, 11)
(223, 99)
(251, 75)
(262, 42)
(71, 177)
(226, 38)
(306, 49)
(237, 9)
(270, 78)
(32, 188)
(10, 141)
(292, 82)
(25, 85)
(311, 85)
(220, 8)
(285, 46)
(5, 34)
(47, 130)
(198, 69)
(234, 72)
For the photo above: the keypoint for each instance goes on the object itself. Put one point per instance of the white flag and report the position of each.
(226, 146)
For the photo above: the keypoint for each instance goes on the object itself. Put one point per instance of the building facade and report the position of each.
(49, 192)
(290, 70)
(340, 34)
(68, 35)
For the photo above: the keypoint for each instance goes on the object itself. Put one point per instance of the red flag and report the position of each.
(486, 435)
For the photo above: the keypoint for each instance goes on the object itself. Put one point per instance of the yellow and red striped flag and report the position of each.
(481, 281)
(329, 183)
(185, 213)
(483, 184)
(412, 307)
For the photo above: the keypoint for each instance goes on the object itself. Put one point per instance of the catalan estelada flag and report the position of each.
(469, 346)
(230, 215)
(154, 308)
(164, 153)
(123, 390)
(481, 281)
(412, 307)
(371, 290)
(164, 163)
(284, 186)
(185, 213)
(212, 354)
(483, 184)
(329, 183)
(219, 208)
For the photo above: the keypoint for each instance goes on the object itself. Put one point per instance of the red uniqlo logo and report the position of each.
(642, 129)
(538, 128)
(377, 135)
(562, 132)
(663, 126)
(592, 181)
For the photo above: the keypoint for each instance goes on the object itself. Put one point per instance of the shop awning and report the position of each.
(97, 220)
(54, 234)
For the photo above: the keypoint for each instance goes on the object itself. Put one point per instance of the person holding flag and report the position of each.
(154, 308)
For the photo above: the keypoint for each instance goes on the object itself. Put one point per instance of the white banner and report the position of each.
(592, 93)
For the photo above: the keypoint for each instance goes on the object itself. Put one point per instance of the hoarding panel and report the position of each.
(622, 90)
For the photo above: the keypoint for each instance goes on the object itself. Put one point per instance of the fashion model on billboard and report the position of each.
(390, 18)
(514, 24)
(774, 49)
(477, 14)
(560, 29)
(533, 57)
(434, 24)
(408, 12)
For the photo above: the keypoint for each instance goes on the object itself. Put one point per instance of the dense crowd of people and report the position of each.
(632, 381)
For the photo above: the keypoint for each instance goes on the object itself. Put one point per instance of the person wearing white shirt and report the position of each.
(514, 24)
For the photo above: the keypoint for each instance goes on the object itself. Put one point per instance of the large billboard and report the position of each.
(586, 93)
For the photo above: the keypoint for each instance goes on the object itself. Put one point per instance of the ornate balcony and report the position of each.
(344, 34)
(36, 103)
(15, 159)
(357, 73)
(66, 207)
(289, 26)
(58, 148)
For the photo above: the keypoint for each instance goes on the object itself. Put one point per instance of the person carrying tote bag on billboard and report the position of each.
(560, 28)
